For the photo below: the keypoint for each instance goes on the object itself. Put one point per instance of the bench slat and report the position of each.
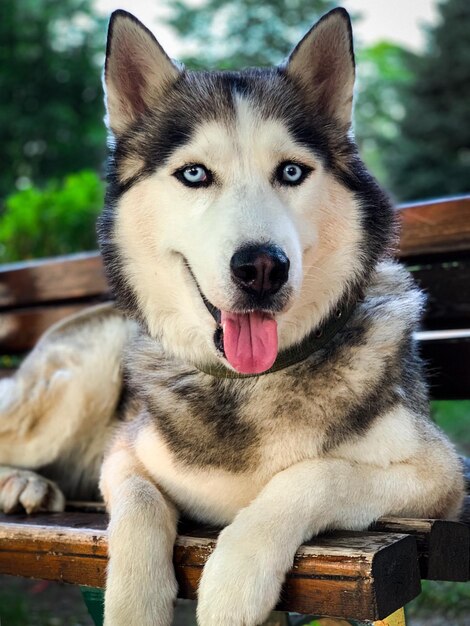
(443, 545)
(21, 329)
(359, 575)
(435, 226)
(49, 280)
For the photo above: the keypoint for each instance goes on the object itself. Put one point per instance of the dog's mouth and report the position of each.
(247, 340)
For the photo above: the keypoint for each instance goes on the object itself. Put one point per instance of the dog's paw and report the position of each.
(24, 490)
(240, 585)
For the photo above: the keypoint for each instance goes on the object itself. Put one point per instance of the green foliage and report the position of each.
(454, 419)
(445, 599)
(245, 33)
(432, 155)
(51, 107)
(56, 220)
(14, 610)
(383, 74)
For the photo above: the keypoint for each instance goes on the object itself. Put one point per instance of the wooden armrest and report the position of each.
(443, 545)
(361, 575)
(364, 576)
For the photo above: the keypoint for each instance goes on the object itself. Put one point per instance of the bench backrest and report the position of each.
(434, 244)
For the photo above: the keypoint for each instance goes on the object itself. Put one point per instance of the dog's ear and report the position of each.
(137, 70)
(323, 64)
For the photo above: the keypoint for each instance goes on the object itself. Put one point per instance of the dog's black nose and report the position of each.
(260, 269)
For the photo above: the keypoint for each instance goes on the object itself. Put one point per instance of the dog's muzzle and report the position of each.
(247, 336)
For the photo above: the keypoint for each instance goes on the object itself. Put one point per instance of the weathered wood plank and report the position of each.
(20, 329)
(443, 545)
(48, 280)
(358, 575)
(367, 573)
(435, 226)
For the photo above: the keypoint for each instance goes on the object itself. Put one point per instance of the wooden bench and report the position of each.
(364, 576)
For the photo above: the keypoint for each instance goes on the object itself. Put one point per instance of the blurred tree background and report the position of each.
(412, 119)
(431, 156)
(52, 106)
(232, 34)
(51, 126)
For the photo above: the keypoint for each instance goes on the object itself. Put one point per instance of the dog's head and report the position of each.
(238, 213)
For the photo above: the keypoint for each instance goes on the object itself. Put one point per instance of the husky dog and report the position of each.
(272, 383)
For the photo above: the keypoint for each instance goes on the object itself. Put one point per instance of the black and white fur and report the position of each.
(334, 441)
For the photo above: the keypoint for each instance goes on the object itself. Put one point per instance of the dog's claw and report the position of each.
(25, 490)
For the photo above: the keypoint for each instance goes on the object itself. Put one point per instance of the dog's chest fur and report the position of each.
(225, 435)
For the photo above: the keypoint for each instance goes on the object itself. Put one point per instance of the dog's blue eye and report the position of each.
(292, 173)
(194, 176)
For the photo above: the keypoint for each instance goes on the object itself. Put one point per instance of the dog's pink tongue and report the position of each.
(250, 341)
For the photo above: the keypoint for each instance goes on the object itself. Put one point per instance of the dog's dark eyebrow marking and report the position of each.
(174, 131)
(194, 98)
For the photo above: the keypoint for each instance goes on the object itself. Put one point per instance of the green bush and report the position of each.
(59, 219)
(453, 416)
(445, 599)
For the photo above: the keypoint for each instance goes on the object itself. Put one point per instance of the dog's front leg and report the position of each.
(242, 579)
(141, 586)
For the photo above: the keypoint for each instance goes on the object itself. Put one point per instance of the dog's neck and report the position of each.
(317, 339)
